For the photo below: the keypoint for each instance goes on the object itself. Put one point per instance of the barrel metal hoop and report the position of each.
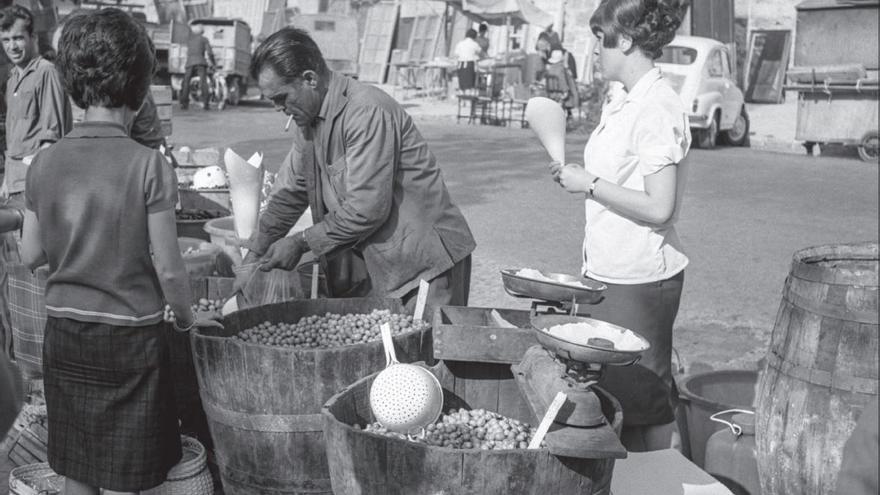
(832, 310)
(837, 381)
(277, 423)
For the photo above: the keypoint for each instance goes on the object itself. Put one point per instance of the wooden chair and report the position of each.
(516, 105)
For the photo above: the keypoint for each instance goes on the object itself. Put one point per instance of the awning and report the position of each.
(498, 12)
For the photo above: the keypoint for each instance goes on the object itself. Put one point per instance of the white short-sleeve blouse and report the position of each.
(640, 133)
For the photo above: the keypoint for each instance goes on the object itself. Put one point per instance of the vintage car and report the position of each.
(700, 70)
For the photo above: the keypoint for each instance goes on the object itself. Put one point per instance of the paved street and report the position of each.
(744, 215)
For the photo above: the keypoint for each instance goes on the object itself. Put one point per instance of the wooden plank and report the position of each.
(164, 112)
(161, 94)
(376, 46)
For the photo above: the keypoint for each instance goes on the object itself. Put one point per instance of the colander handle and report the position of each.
(388, 344)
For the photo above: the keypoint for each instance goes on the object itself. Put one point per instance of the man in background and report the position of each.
(198, 54)
(37, 115)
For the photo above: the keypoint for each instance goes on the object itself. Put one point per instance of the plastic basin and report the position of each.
(704, 394)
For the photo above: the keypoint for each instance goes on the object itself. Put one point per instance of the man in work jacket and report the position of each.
(383, 218)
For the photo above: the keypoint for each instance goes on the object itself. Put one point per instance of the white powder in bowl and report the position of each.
(580, 333)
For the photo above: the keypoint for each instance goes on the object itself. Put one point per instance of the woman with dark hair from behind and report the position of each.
(100, 212)
(632, 181)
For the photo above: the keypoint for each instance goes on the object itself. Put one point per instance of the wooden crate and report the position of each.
(263, 402)
(478, 353)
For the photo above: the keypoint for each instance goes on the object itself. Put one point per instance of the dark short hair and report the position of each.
(484, 27)
(470, 33)
(10, 14)
(650, 23)
(289, 52)
(105, 59)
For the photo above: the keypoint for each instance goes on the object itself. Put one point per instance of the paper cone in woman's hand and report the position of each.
(547, 119)
(245, 186)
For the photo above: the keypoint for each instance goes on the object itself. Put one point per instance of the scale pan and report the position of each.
(586, 345)
(556, 287)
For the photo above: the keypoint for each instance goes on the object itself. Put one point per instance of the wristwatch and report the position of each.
(592, 188)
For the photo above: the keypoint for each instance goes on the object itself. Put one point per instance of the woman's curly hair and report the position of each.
(106, 59)
(650, 23)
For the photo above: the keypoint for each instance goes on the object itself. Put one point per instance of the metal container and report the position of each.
(831, 32)
(564, 288)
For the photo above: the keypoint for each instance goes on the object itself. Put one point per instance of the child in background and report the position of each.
(97, 204)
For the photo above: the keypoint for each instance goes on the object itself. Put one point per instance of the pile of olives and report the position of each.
(469, 429)
(329, 330)
(205, 308)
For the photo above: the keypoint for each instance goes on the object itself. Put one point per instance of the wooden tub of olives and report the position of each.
(364, 461)
(262, 391)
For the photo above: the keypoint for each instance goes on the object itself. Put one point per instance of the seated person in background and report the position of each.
(560, 86)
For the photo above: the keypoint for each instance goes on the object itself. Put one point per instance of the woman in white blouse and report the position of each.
(633, 178)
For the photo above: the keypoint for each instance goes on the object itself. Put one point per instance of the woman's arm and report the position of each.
(169, 265)
(655, 205)
(32, 253)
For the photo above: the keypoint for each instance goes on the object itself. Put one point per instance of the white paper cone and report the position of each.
(547, 119)
(245, 187)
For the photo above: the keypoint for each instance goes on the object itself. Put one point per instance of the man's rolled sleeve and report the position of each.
(372, 146)
(288, 201)
(56, 118)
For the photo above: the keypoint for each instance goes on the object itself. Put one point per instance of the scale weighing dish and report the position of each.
(559, 288)
(585, 352)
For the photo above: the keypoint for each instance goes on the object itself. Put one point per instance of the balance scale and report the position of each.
(581, 428)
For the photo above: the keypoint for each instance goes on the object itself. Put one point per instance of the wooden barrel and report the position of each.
(821, 368)
(364, 463)
(263, 403)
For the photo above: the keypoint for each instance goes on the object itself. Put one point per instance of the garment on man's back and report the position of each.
(196, 47)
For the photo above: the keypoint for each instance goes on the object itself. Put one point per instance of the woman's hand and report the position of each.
(572, 176)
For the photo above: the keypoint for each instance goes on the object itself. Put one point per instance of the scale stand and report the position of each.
(555, 307)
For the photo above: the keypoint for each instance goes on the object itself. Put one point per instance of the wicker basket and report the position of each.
(35, 479)
(29, 436)
(190, 476)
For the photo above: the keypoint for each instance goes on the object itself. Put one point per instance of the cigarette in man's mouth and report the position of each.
(289, 120)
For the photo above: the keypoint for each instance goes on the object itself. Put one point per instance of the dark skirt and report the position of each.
(110, 403)
(646, 390)
(467, 75)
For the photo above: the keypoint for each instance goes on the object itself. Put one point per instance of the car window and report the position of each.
(678, 55)
(715, 66)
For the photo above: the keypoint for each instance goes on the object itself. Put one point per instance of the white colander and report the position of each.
(404, 398)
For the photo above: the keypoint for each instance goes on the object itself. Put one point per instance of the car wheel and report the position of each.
(738, 135)
(869, 146)
(707, 138)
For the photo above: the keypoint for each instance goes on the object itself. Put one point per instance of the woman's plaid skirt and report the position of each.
(110, 403)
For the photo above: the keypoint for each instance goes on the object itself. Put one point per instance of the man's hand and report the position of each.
(572, 177)
(285, 253)
(244, 271)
